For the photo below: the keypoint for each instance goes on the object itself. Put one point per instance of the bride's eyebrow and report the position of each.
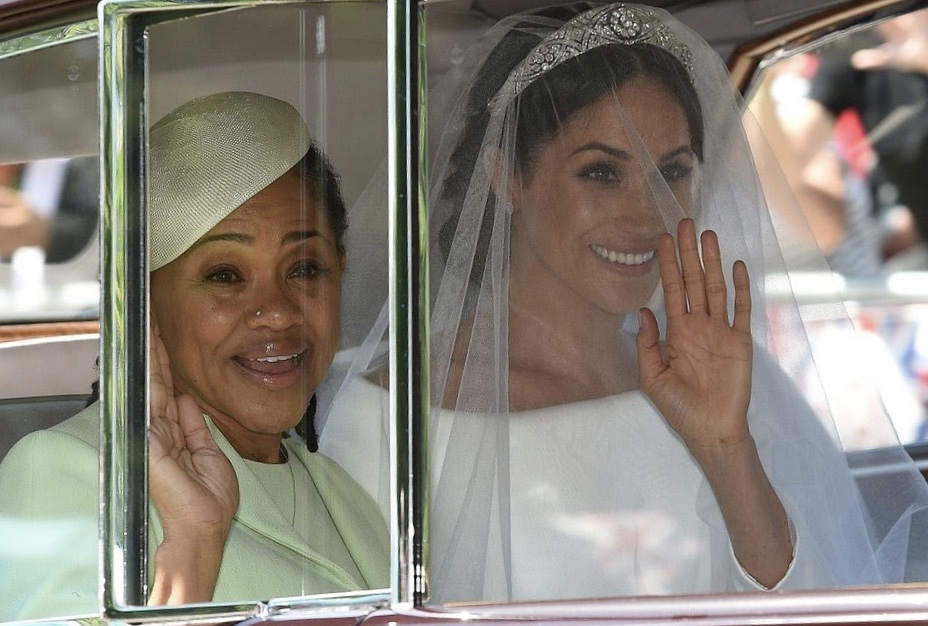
(602, 147)
(618, 153)
(684, 150)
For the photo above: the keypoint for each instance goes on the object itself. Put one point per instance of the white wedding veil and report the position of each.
(553, 475)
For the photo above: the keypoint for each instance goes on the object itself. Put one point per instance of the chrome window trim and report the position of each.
(47, 38)
(409, 305)
(886, 605)
(748, 58)
(124, 441)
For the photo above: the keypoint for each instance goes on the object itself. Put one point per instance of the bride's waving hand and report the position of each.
(700, 379)
(701, 383)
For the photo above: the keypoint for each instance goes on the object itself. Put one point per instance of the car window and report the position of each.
(844, 119)
(549, 482)
(318, 538)
(49, 267)
(281, 111)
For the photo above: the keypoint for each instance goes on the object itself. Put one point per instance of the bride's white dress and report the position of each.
(603, 500)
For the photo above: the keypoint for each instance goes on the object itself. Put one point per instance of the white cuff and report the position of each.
(743, 581)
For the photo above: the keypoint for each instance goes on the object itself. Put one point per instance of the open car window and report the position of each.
(843, 118)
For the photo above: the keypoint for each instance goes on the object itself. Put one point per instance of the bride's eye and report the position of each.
(677, 171)
(600, 172)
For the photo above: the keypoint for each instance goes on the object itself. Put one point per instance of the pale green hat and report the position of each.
(208, 156)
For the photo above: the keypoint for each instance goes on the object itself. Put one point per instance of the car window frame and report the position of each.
(125, 331)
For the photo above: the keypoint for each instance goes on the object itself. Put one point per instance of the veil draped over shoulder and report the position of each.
(556, 160)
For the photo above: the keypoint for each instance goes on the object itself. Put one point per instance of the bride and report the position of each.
(613, 336)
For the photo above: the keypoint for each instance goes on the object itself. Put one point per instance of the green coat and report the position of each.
(49, 564)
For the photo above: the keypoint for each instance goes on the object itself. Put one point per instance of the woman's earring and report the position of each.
(509, 207)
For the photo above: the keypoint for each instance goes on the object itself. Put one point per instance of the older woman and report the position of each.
(247, 224)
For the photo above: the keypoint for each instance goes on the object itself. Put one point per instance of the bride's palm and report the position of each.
(701, 382)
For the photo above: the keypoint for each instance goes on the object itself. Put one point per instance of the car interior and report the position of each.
(51, 302)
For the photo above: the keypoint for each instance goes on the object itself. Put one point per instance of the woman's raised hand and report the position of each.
(193, 487)
(701, 381)
(701, 384)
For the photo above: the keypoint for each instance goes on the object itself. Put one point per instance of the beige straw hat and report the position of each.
(210, 155)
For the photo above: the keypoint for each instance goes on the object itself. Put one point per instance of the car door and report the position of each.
(155, 55)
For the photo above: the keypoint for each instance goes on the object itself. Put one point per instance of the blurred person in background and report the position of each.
(847, 126)
(879, 92)
(51, 204)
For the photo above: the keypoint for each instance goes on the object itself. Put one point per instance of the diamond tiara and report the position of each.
(617, 23)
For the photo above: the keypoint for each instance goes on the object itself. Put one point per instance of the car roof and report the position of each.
(725, 23)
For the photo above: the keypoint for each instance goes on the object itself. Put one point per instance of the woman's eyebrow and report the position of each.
(234, 237)
(291, 237)
(301, 235)
(602, 147)
(624, 155)
(684, 150)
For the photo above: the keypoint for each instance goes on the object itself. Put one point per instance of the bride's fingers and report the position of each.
(742, 282)
(648, 342)
(672, 281)
(716, 289)
(693, 276)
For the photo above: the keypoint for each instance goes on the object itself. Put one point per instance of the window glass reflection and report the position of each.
(49, 184)
(51, 204)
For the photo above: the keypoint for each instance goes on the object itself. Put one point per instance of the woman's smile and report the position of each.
(274, 371)
(626, 259)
